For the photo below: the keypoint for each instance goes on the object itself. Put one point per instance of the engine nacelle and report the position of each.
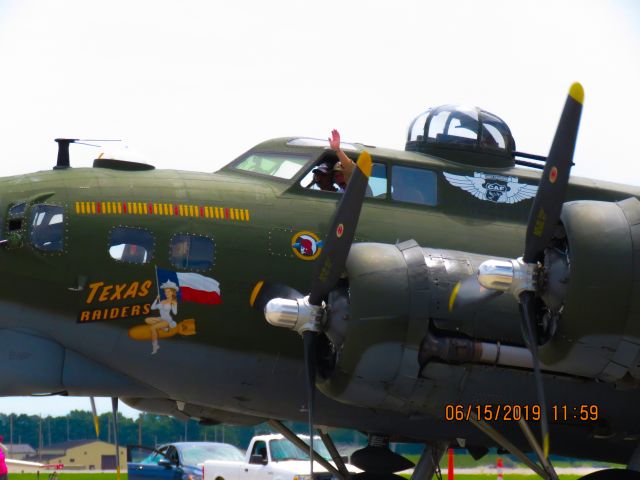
(598, 334)
(395, 292)
(395, 319)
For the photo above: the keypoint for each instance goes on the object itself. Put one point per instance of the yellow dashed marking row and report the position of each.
(162, 209)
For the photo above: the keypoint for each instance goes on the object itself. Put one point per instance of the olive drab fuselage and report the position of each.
(90, 252)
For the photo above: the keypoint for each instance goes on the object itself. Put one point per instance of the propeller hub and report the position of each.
(496, 274)
(514, 276)
(298, 315)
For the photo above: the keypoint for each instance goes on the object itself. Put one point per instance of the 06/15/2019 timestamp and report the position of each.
(515, 412)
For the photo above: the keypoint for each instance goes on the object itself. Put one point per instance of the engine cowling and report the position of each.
(598, 333)
(397, 303)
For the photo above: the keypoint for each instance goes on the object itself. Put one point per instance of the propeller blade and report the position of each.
(528, 312)
(330, 264)
(263, 292)
(469, 293)
(309, 340)
(327, 272)
(114, 408)
(96, 423)
(547, 205)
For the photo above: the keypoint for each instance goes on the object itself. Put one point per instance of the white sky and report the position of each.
(192, 84)
(59, 406)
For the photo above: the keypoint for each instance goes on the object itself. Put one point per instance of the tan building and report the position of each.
(20, 451)
(83, 455)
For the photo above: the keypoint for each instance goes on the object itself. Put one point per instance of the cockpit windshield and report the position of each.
(273, 164)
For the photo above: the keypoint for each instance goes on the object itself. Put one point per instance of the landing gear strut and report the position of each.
(429, 463)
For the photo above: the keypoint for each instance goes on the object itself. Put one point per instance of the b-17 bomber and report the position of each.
(455, 293)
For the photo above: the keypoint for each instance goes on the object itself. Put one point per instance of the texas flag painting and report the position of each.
(192, 287)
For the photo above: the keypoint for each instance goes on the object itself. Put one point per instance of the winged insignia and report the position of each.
(493, 188)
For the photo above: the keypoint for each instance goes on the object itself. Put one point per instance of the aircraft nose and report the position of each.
(12, 223)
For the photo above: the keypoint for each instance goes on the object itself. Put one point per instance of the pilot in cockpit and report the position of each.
(333, 176)
(323, 177)
(339, 178)
(344, 164)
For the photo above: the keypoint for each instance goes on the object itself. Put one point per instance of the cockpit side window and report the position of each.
(414, 185)
(378, 181)
(47, 228)
(273, 164)
(131, 245)
(313, 180)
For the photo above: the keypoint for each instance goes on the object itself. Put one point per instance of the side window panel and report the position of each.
(378, 181)
(414, 185)
(131, 245)
(47, 228)
(192, 252)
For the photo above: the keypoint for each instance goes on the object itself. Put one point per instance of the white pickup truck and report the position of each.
(272, 457)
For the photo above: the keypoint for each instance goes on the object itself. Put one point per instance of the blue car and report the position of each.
(177, 461)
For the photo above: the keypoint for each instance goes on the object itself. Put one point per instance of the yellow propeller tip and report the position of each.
(545, 446)
(255, 292)
(453, 296)
(577, 93)
(365, 164)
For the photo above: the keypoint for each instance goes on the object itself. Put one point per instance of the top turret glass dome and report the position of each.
(462, 134)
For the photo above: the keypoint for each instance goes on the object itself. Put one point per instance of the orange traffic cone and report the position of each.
(450, 470)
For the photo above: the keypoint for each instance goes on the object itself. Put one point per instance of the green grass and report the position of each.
(506, 477)
(67, 476)
(467, 461)
(112, 476)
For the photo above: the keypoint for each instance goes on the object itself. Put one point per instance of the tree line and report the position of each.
(148, 429)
